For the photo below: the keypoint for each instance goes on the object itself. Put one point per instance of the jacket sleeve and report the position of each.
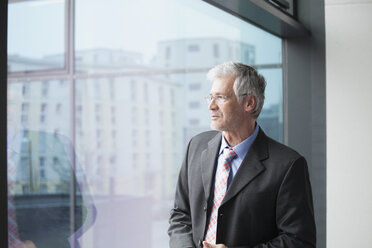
(294, 210)
(180, 229)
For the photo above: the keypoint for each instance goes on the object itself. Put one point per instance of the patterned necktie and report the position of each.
(220, 187)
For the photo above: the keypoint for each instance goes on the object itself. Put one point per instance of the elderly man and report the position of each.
(237, 187)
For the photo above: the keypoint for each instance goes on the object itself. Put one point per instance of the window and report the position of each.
(42, 168)
(25, 89)
(44, 89)
(24, 168)
(195, 86)
(112, 88)
(41, 142)
(161, 95)
(167, 52)
(194, 105)
(58, 108)
(43, 114)
(43, 188)
(33, 43)
(24, 114)
(126, 111)
(216, 51)
(133, 90)
(194, 122)
(193, 48)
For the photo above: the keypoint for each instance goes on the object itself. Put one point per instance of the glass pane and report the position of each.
(39, 149)
(139, 98)
(36, 35)
(271, 117)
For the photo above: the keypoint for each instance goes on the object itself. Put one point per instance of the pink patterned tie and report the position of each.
(220, 187)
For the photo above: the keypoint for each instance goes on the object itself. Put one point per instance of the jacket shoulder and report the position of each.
(205, 136)
(281, 152)
(201, 140)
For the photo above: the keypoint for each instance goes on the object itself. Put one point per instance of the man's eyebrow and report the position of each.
(217, 93)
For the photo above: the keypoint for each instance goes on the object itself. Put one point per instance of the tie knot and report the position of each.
(228, 154)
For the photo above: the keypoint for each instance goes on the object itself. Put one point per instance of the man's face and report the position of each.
(228, 114)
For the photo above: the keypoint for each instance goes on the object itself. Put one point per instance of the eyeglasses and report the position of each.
(219, 99)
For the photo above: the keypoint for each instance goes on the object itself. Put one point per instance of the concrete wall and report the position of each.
(305, 101)
(349, 122)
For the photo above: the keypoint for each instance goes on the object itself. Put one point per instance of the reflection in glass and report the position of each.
(155, 80)
(138, 99)
(40, 182)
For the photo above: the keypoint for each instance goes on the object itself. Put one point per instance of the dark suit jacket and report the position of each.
(268, 204)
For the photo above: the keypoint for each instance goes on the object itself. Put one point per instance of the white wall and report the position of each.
(349, 123)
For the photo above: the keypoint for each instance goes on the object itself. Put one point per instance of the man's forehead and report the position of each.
(222, 84)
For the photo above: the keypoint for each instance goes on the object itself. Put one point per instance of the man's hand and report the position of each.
(208, 245)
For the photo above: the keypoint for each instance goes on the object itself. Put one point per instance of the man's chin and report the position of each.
(216, 127)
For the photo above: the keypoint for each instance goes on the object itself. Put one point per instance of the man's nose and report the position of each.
(212, 105)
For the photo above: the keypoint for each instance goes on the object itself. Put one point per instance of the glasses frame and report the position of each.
(219, 99)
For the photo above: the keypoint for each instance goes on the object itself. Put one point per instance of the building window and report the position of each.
(194, 122)
(172, 97)
(112, 88)
(43, 188)
(25, 189)
(97, 88)
(194, 105)
(43, 112)
(194, 86)
(58, 108)
(216, 51)
(134, 116)
(113, 159)
(135, 160)
(42, 168)
(145, 93)
(193, 48)
(44, 88)
(167, 52)
(42, 142)
(133, 90)
(26, 89)
(24, 168)
(24, 113)
(161, 95)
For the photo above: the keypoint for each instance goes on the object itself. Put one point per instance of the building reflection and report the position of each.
(132, 121)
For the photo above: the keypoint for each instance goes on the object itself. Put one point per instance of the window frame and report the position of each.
(67, 73)
(55, 71)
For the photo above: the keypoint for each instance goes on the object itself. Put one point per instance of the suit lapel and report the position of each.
(208, 162)
(250, 168)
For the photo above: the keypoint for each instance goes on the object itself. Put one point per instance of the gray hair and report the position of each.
(247, 82)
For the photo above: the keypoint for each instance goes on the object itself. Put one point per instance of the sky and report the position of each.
(37, 29)
(120, 24)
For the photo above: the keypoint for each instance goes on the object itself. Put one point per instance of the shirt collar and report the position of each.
(242, 148)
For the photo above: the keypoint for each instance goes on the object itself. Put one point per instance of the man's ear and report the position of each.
(250, 103)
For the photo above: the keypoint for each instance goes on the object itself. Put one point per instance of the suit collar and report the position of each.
(251, 166)
(208, 162)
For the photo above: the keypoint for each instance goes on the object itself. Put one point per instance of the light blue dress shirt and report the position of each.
(241, 150)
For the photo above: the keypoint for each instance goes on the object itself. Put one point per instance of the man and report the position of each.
(239, 188)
